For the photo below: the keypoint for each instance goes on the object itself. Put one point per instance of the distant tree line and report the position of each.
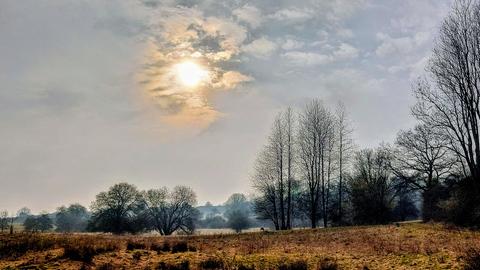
(125, 209)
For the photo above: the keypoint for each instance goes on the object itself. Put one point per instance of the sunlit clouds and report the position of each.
(186, 64)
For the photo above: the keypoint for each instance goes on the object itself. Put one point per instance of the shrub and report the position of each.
(131, 245)
(18, 245)
(165, 247)
(185, 265)
(245, 267)
(137, 255)
(180, 247)
(296, 265)
(106, 266)
(472, 259)
(85, 251)
(327, 264)
(211, 263)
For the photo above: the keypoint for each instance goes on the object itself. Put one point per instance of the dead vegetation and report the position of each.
(407, 246)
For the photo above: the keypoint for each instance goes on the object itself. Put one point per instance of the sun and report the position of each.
(190, 74)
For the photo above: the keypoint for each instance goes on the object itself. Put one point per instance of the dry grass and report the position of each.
(407, 246)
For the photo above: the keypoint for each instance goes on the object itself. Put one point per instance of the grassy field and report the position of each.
(404, 246)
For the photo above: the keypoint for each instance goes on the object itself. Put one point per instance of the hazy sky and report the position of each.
(89, 95)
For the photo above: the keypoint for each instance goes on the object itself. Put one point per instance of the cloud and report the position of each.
(305, 59)
(346, 51)
(231, 79)
(249, 14)
(401, 45)
(309, 59)
(182, 33)
(292, 15)
(260, 48)
(292, 44)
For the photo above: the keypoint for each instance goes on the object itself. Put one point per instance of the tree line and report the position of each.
(125, 209)
(309, 170)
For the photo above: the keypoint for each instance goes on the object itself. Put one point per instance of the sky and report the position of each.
(90, 92)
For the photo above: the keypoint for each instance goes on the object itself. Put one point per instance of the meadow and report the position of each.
(396, 246)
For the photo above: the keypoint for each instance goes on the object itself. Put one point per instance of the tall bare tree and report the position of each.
(289, 137)
(450, 101)
(345, 148)
(315, 125)
(265, 183)
(273, 177)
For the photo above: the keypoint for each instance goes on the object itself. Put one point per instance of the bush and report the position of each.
(180, 247)
(18, 245)
(85, 251)
(211, 263)
(296, 265)
(165, 247)
(131, 245)
(185, 265)
(137, 255)
(472, 259)
(106, 266)
(245, 267)
(327, 264)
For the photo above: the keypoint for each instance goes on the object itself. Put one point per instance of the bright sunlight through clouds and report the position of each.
(190, 74)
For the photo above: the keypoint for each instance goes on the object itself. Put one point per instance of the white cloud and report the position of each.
(292, 44)
(231, 79)
(345, 51)
(401, 45)
(345, 33)
(260, 48)
(302, 59)
(249, 14)
(292, 15)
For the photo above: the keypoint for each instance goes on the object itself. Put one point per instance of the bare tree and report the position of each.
(266, 182)
(171, 211)
(117, 210)
(278, 148)
(289, 137)
(421, 160)
(273, 177)
(315, 126)
(372, 187)
(345, 148)
(451, 102)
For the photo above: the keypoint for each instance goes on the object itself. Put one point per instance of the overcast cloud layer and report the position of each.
(87, 97)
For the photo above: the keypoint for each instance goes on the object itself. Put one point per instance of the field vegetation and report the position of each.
(396, 246)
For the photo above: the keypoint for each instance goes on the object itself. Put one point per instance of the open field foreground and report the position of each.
(406, 246)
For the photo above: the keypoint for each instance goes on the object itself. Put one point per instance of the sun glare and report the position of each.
(190, 74)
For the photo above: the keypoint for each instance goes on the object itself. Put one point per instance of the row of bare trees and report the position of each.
(303, 160)
(439, 158)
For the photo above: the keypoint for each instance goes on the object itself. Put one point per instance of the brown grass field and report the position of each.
(401, 246)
